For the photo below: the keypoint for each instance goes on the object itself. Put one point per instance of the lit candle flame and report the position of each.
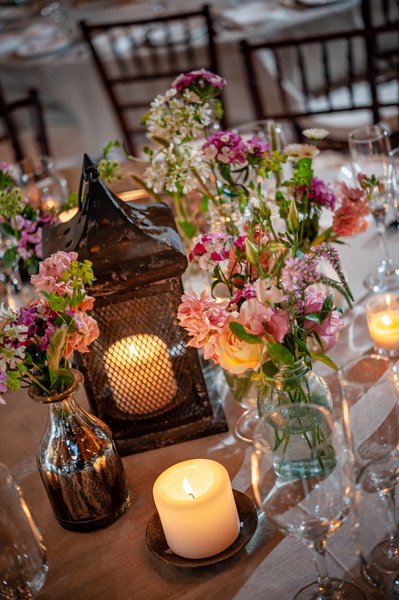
(187, 487)
(133, 350)
(386, 320)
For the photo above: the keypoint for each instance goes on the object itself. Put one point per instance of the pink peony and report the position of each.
(328, 329)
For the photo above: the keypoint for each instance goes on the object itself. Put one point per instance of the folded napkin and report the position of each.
(253, 13)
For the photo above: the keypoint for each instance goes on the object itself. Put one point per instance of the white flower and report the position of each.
(297, 151)
(315, 134)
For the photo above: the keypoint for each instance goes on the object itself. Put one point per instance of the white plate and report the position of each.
(316, 2)
(35, 48)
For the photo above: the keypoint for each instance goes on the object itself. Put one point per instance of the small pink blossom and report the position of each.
(226, 147)
(201, 77)
(50, 271)
(329, 328)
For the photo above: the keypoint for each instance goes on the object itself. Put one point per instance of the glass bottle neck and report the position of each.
(292, 373)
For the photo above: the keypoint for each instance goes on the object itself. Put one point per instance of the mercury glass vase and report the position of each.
(79, 464)
(302, 447)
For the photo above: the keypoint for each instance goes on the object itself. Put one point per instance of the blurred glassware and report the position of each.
(23, 564)
(271, 132)
(369, 149)
(42, 183)
(370, 395)
(394, 213)
(307, 507)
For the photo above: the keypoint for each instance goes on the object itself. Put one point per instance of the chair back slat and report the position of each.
(9, 112)
(319, 75)
(146, 55)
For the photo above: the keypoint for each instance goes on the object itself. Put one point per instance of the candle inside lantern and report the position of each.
(66, 215)
(140, 372)
(383, 322)
(196, 507)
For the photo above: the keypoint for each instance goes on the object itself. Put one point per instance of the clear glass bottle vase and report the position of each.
(297, 386)
(79, 464)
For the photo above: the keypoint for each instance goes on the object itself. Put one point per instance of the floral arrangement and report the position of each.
(205, 169)
(37, 341)
(21, 226)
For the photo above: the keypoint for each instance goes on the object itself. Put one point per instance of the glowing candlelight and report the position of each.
(196, 507)
(66, 215)
(140, 372)
(383, 322)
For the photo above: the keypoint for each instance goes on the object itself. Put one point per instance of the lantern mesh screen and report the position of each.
(148, 387)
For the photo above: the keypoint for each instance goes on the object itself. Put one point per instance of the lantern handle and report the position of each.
(90, 173)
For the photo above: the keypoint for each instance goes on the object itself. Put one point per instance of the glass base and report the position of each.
(388, 353)
(246, 425)
(94, 524)
(337, 590)
(381, 569)
(378, 282)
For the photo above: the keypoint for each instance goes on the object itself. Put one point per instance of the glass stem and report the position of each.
(386, 264)
(324, 591)
(388, 500)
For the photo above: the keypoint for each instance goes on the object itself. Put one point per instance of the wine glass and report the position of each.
(394, 158)
(369, 150)
(370, 394)
(309, 506)
(42, 183)
(23, 564)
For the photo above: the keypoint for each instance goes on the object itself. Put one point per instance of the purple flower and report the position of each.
(3, 382)
(200, 77)
(322, 193)
(298, 273)
(257, 146)
(225, 147)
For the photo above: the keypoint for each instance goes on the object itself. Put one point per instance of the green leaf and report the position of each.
(239, 331)
(324, 359)
(280, 354)
(269, 369)
(204, 204)
(188, 229)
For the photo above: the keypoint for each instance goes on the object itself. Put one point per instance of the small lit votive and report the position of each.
(196, 507)
(383, 323)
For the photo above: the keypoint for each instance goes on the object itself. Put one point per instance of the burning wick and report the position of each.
(187, 487)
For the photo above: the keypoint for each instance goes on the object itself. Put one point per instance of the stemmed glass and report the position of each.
(307, 506)
(370, 394)
(369, 149)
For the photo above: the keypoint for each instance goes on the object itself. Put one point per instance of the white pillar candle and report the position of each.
(196, 507)
(140, 372)
(384, 329)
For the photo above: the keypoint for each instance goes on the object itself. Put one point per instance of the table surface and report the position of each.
(115, 563)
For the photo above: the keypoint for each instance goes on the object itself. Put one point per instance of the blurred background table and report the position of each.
(79, 116)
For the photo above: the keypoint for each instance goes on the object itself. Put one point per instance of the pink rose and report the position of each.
(279, 324)
(236, 356)
(253, 314)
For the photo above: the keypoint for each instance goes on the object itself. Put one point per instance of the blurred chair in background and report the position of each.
(139, 59)
(22, 127)
(326, 81)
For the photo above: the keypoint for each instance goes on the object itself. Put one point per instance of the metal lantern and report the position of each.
(140, 377)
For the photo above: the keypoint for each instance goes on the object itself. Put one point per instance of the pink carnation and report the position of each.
(87, 332)
(200, 77)
(203, 318)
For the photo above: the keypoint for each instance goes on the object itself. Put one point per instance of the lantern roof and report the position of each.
(130, 245)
